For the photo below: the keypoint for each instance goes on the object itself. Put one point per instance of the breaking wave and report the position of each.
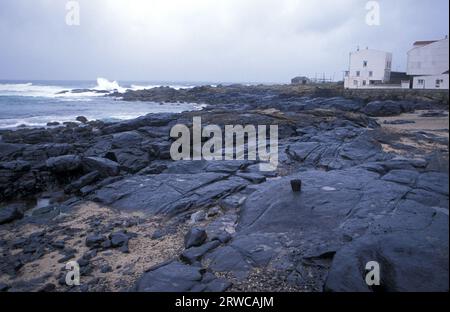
(102, 87)
(106, 85)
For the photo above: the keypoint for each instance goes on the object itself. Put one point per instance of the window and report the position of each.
(388, 64)
(421, 81)
(371, 74)
(355, 82)
(347, 73)
(364, 82)
(358, 73)
(364, 63)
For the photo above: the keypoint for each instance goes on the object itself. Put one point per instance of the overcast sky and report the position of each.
(205, 40)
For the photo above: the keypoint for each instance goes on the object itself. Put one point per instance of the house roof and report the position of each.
(423, 42)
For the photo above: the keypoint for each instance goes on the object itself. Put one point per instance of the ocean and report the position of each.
(36, 103)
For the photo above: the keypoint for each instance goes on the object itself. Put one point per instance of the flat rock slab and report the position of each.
(173, 277)
(411, 248)
(168, 193)
(334, 211)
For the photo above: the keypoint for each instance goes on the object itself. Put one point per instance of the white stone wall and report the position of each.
(430, 82)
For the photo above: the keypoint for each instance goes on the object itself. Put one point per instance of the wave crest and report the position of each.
(104, 84)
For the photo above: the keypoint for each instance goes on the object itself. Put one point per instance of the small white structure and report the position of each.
(368, 69)
(428, 63)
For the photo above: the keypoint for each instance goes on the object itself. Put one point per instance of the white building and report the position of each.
(368, 69)
(428, 63)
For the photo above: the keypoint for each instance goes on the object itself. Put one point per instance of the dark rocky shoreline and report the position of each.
(113, 195)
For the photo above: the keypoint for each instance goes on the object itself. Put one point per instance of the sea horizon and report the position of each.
(38, 103)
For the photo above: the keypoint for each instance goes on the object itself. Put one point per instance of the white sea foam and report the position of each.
(104, 84)
(55, 91)
(38, 121)
(29, 89)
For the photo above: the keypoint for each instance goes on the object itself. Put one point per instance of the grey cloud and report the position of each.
(202, 40)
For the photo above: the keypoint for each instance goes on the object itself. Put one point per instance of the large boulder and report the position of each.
(130, 159)
(195, 237)
(62, 164)
(383, 108)
(10, 213)
(83, 181)
(126, 139)
(104, 166)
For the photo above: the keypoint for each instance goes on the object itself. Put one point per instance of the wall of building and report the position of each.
(431, 59)
(406, 84)
(378, 68)
(429, 82)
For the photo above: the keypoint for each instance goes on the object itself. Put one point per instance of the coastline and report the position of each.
(120, 206)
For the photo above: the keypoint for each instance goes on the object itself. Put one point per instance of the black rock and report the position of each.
(144, 194)
(223, 237)
(3, 287)
(218, 285)
(48, 288)
(106, 269)
(67, 257)
(159, 233)
(10, 213)
(95, 240)
(194, 254)
(171, 277)
(106, 244)
(124, 249)
(398, 122)
(16, 165)
(58, 244)
(83, 181)
(82, 262)
(104, 166)
(70, 124)
(63, 164)
(118, 239)
(90, 254)
(86, 270)
(43, 210)
(82, 119)
(434, 114)
(383, 108)
(126, 139)
(195, 237)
